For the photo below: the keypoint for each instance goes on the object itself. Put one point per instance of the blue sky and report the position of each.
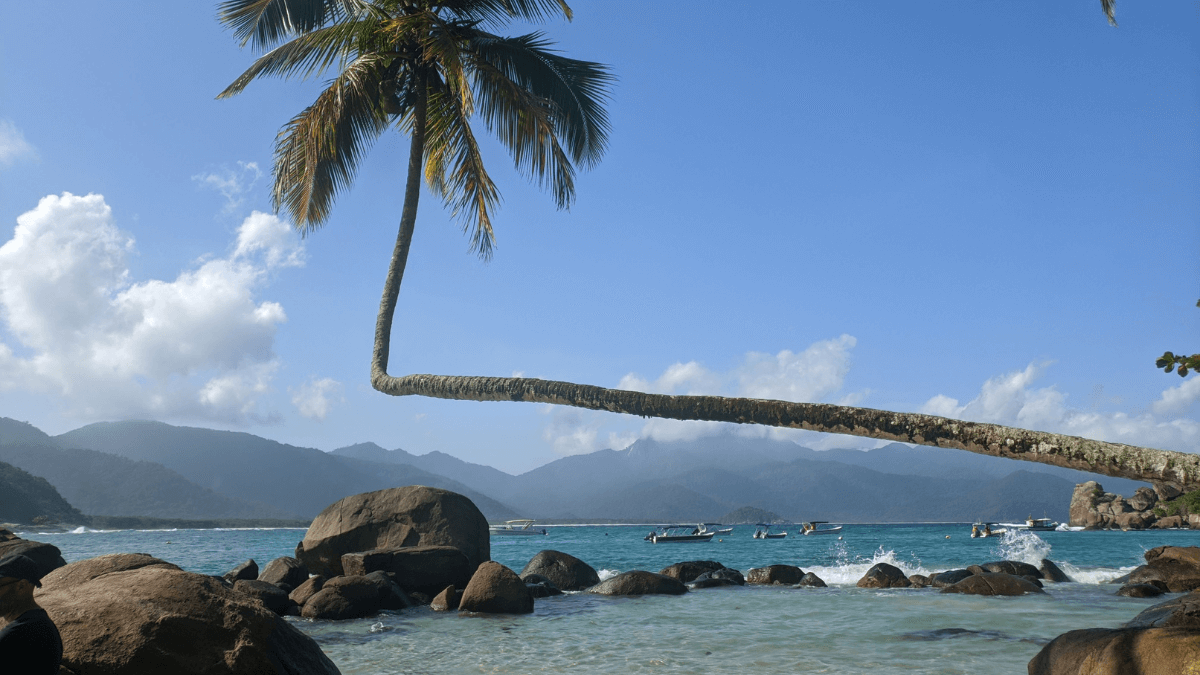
(989, 212)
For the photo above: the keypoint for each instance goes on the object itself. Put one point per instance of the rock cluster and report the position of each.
(1001, 577)
(1095, 509)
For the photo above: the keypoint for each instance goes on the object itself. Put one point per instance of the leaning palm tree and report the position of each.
(427, 68)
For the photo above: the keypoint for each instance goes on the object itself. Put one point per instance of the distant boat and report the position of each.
(521, 527)
(814, 527)
(719, 530)
(766, 533)
(1034, 524)
(981, 529)
(680, 534)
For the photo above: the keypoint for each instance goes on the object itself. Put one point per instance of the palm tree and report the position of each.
(426, 67)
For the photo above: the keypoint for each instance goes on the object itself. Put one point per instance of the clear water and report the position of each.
(840, 629)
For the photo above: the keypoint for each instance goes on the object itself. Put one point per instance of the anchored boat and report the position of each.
(521, 527)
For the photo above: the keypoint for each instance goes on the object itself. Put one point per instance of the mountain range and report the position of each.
(152, 469)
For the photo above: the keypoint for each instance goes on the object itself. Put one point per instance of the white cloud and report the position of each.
(315, 398)
(200, 345)
(13, 145)
(232, 184)
(1012, 400)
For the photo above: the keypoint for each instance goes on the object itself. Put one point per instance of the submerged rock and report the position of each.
(1051, 572)
(688, 571)
(883, 575)
(638, 582)
(787, 575)
(994, 583)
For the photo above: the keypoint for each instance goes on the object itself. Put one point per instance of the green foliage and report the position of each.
(1186, 364)
(1180, 506)
(1160, 512)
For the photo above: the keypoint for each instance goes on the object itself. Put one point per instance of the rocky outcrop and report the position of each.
(1051, 572)
(948, 578)
(495, 589)
(883, 575)
(422, 569)
(688, 571)
(1095, 509)
(271, 596)
(787, 575)
(716, 578)
(131, 613)
(1176, 566)
(1013, 567)
(306, 590)
(394, 518)
(354, 597)
(284, 571)
(565, 571)
(638, 582)
(994, 583)
(246, 571)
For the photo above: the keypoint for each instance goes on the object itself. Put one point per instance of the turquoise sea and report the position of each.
(840, 629)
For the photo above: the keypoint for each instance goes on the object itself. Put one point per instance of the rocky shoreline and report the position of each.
(410, 546)
(1163, 507)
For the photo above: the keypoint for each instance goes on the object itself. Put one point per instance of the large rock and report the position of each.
(354, 597)
(306, 590)
(883, 575)
(423, 569)
(495, 589)
(246, 571)
(130, 614)
(1119, 651)
(1140, 591)
(994, 583)
(285, 571)
(811, 580)
(1051, 572)
(948, 578)
(1176, 566)
(271, 596)
(565, 571)
(394, 518)
(638, 582)
(688, 571)
(1143, 499)
(47, 556)
(788, 575)
(1013, 567)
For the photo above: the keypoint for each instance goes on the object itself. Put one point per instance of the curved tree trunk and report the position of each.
(1111, 459)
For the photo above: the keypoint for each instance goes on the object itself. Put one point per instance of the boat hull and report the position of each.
(681, 539)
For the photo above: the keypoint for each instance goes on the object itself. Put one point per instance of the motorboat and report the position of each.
(815, 527)
(719, 530)
(522, 527)
(1033, 524)
(680, 534)
(766, 533)
(981, 529)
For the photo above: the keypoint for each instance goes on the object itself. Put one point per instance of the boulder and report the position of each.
(948, 578)
(722, 577)
(788, 575)
(495, 589)
(394, 518)
(565, 571)
(1169, 523)
(638, 582)
(1051, 572)
(130, 613)
(542, 590)
(1084, 502)
(422, 569)
(306, 590)
(354, 597)
(285, 570)
(1176, 566)
(1140, 591)
(447, 600)
(1180, 612)
(1119, 651)
(247, 570)
(883, 575)
(1134, 520)
(994, 583)
(1143, 499)
(688, 571)
(1013, 567)
(271, 596)
(47, 556)
(918, 580)
(812, 580)
(1167, 491)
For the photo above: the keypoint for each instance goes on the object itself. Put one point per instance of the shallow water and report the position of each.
(840, 629)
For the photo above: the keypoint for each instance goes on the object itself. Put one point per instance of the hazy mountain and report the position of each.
(475, 476)
(240, 465)
(24, 497)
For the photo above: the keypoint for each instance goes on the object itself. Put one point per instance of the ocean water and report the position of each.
(840, 629)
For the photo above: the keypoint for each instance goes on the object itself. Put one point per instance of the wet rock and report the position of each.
(948, 578)
(994, 583)
(495, 589)
(1051, 572)
(688, 571)
(447, 600)
(883, 575)
(423, 569)
(787, 575)
(565, 571)
(354, 597)
(1176, 566)
(918, 580)
(811, 580)
(394, 518)
(638, 582)
(1013, 567)
(1140, 591)
(131, 613)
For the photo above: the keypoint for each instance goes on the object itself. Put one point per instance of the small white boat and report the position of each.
(680, 534)
(982, 530)
(720, 530)
(522, 527)
(814, 527)
(766, 533)
(1034, 524)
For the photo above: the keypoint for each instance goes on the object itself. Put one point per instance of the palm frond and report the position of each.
(264, 23)
(317, 153)
(1110, 10)
(574, 90)
(502, 12)
(454, 167)
(308, 54)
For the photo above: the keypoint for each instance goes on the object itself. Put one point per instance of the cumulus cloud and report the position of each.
(13, 145)
(200, 345)
(233, 184)
(1012, 399)
(315, 398)
(811, 376)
